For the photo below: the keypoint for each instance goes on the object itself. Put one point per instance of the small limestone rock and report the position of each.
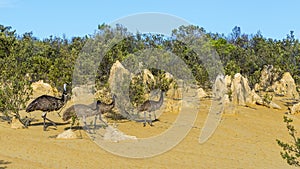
(274, 106)
(68, 134)
(114, 135)
(201, 93)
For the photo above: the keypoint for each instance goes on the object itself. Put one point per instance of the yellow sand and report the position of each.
(246, 139)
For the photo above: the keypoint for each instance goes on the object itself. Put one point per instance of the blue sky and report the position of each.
(274, 19)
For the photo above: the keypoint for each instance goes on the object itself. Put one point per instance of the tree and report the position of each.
(14, 82)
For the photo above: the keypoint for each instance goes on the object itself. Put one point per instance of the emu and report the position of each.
(151, 106)
(47, 104)
(83, 111)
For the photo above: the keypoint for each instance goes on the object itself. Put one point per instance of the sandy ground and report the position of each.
(246, 139)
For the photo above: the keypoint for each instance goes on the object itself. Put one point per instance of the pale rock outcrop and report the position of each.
(119, 81)
(118, 74)
(268, 76)
(279, 88)
(286, 86)
(219, 88)
(40, 88)
(168, 76)
(241, 92)
(148, 78)
(81, 91)
(220, 94)
(228, 80)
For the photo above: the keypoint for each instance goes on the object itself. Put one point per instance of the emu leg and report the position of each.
(100, 118)
(145, 120)
(45, 118)
(94, 129)
(150, 120)
(95, 121)
(85, 125)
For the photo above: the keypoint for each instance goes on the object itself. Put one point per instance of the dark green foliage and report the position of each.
(291, 151)
(26, 59)
(14, 81)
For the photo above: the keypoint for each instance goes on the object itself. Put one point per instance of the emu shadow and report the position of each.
(5, 118)
(115, 116)
(2, 162)
(142, 120)
(74, 127)
(47, 124)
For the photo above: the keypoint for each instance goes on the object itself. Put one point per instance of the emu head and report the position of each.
(98, 104)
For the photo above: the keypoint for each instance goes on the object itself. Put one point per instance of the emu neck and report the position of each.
(112, 103)
(63, 97)
(161, 99)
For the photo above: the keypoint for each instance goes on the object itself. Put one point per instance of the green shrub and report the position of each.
(291, 151)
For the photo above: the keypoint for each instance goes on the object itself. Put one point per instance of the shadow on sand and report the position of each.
(3, 163)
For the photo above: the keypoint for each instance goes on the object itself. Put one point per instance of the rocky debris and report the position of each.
(40, 88)
(238, 92)
(295, 109)
(67, 134)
